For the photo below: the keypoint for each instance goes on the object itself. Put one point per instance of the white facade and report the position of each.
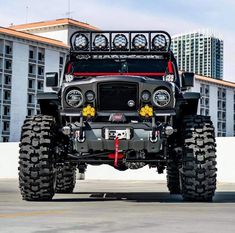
(60, 29)
(217, 101)
(62, 32)
(23, 79)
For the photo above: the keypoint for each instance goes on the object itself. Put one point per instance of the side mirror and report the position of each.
(187, 79)
(52, 79)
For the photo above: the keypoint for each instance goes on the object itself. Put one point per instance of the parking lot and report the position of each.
(116, 206)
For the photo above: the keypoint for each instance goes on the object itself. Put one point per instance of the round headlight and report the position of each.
(139, 42)
(145, 96)
(161, 98)
(120, 41)
(90, 96)
(159, 42)
(74, 98)
(100, 42)
(81, 42)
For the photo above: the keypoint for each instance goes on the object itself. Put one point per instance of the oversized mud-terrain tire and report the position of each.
(65, 178)
(198, 172)
(173, 177)
(36, 162)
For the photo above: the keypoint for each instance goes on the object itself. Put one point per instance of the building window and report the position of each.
(1, 64)
(61, 60)
(7, 95)
(7, 80)
(5, 139)
(40, 85)
(6, 126)
(30, 99)
(30, 112)
(221, 123)
(40, 70)
(8, 64)
(234, 113)
(31, 84)
(41, 55)
(204, 101)
(32, 69)
(8, 49)
(31, 54)
(6, 110)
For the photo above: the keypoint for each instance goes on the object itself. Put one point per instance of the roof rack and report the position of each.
(120, 42)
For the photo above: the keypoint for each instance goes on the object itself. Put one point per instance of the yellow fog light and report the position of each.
(146, 111)
(88, 111)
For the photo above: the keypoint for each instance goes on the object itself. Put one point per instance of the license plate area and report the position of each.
(121, 134)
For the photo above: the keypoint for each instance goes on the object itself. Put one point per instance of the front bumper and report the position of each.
(94, 138)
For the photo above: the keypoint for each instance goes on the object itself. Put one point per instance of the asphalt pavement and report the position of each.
(116, 206)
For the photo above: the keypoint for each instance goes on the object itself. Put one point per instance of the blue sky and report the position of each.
(175, 16)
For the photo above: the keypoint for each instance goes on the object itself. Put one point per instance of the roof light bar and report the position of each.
(120, 42)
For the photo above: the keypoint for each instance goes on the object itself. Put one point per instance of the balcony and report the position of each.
(8, 56)
(41, 76)
(7, 101)
(41, 62)
(8, 71)
(31, 105)
(6, 117)
(31, 90)
(32, 75)
(7, 86)
(5, 132)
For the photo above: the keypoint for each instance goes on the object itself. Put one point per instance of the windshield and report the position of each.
(93, 67)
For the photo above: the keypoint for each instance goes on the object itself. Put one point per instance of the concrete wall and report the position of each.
(226, 165)
(60, 34)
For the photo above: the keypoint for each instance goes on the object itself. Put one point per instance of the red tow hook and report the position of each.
(116, 156)
(116, 152)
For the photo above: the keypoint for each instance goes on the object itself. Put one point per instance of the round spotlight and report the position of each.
(161, 98)
(100, 42)
(145, 96)
(74, 98)
(139, 42)
(81, 42)
(120, 42)
(159, 42)
(90, 96)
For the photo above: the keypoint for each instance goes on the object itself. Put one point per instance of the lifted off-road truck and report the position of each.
(120, 101)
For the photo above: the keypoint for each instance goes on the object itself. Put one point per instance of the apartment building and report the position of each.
(218, 101)
(199, 52)
(25, 56)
